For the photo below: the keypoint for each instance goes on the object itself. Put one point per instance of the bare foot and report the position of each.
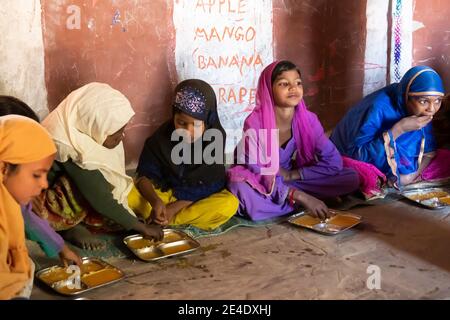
(83, 238)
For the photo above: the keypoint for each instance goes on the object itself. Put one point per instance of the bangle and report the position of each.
(291, 198)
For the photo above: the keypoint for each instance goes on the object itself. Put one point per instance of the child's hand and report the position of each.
(38, 203)
(66, 255)
(413, 123)
(152, 231)
(316, 207)
(159, 214)
(285, 174)
(289, 175)
(406, 179)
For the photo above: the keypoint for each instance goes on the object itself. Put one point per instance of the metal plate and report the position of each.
(431, 198)
(338, 223)
(94, 273)
(174, 243)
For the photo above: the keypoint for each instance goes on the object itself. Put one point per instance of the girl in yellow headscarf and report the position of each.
(23, 175)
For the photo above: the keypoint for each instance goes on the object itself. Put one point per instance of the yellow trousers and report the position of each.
(207, 214)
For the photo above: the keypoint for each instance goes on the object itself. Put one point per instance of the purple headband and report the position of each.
(191, 101)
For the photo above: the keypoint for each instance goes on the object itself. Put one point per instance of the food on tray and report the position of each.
(339, 221)
(306, 220)
(174, 243)
(101, 277)
(93, 273)
(175, 248)
(148, 255)
(445, 200)
(90, 266)
(54, 274)
(342, 220)
(140, 243)
(428, 195)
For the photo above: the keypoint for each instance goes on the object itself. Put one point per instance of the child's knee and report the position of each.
(138, 204)
(233, 204)
(233, 187)
(352, 179)
(237, 188)
(355, 180)
(228, 203)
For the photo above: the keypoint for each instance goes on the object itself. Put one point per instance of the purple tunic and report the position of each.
(38, 229)
(325, 179)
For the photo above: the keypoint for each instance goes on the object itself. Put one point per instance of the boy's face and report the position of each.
(287, 89)
(194, 128)
(26, 181)
(423, 105)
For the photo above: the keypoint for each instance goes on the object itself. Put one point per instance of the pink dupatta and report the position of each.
(258, 161)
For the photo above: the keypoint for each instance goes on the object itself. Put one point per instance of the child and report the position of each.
(23, 175)
(11, 105)
(271, 189)
(36, 228)
(391, 129)
(191, 192)
(88, 178)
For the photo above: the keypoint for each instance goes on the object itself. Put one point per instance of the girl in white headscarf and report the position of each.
(88, 128)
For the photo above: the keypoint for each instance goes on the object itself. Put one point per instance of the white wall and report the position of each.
(244, 31)
(22, 71)
(401, 38)
(376, 54)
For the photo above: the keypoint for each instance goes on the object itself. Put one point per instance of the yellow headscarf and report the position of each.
(81, 123)
(22, 140)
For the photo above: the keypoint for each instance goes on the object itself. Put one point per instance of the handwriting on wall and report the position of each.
(226, 43)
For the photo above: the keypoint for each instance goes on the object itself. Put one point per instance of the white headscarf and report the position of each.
(80, 125)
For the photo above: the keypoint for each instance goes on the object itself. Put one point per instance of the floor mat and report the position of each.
(115, 248)
(234, 222)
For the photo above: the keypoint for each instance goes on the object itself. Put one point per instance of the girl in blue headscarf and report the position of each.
(391, 128)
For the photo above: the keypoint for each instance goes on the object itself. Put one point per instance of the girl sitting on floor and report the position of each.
(191, 192)
(272, 187)
(36, 228)
(88, 182)
(23, 175)
(391, 129)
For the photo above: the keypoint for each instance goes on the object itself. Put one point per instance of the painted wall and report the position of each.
(22, 53)
(227, 44)
(128, 44)
(326, 39)
(431, 39)
(431, 42)
(376, 51)
(131, 44)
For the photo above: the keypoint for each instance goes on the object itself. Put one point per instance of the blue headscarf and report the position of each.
(361, 134)
(419, 81)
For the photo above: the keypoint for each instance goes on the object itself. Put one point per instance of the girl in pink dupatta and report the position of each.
(266, 179)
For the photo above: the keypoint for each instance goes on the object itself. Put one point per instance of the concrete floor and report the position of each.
(409, 244)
